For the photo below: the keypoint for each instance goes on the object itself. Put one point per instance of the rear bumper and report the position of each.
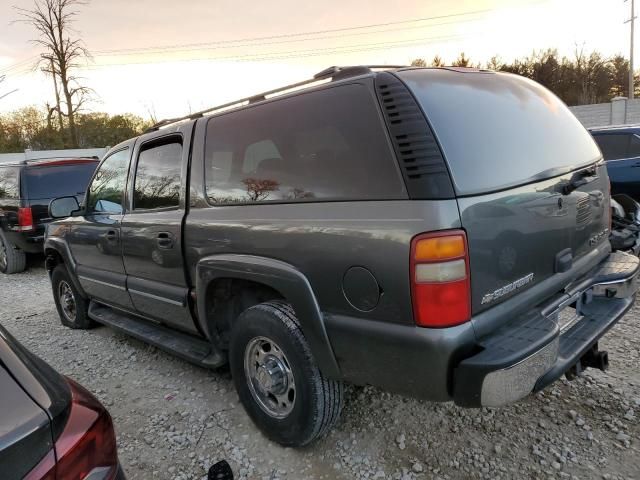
(533, 351)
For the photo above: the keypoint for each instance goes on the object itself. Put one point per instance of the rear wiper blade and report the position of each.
(579, 179)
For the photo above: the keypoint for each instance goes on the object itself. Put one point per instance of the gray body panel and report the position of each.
(323, 241)
(95, 241)
(153, 249)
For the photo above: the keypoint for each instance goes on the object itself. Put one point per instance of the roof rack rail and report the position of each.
(331, 73)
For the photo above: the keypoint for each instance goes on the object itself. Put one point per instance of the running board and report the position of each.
(193, 349)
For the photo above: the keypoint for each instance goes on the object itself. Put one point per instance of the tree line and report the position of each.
(578, 80)
(34, 128)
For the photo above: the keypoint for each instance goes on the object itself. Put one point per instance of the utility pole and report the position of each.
(632, 22)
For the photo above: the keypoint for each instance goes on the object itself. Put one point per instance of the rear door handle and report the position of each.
(112, 235)
(164, 240)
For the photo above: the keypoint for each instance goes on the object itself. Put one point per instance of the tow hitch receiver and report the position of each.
(594, 358)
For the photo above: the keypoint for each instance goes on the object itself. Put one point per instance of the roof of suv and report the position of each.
(50, 161)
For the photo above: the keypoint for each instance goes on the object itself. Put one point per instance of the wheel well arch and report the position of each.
(52, 258)
(257, 279)
(227, 297)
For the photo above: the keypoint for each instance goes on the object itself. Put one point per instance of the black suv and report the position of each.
(26, 188)
(442, 233)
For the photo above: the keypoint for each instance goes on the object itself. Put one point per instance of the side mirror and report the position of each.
(63, 207)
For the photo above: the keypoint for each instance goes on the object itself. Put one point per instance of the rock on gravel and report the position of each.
(174, 420)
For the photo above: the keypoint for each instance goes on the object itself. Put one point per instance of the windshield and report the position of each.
(499, 130)
(51, 181)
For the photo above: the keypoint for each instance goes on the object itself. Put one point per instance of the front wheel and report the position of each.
(277, 379)
(71, 305)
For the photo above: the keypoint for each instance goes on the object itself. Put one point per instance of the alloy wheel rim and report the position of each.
(269, 377)
(67, 300)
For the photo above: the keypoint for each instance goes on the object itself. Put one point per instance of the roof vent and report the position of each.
(416, 148)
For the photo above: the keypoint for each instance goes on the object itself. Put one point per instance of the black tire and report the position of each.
(12, 260)
(317, 400)
(62, 285)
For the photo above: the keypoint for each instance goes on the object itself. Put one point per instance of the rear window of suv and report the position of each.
(322, 145)
(499, 130)
(51, 181)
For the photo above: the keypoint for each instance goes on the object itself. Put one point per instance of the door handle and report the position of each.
(112, 235)
(636, 165)
(164, 240)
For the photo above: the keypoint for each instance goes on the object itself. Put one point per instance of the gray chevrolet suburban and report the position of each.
(441, 233)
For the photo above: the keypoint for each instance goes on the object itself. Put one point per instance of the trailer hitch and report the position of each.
(593, 358)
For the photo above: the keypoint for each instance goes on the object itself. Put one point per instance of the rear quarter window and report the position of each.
(322, 145)
(499, 130)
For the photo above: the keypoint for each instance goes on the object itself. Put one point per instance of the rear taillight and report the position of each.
(87, 444)
(440, 286)
(25, 219)
(86, 448)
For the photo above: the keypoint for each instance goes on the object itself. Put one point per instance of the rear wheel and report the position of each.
(277, 379)
(72, 306)
(12, 260)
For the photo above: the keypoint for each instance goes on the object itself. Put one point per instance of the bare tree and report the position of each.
(53, 20)
(259, 189)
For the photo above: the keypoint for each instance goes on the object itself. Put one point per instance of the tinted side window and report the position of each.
(157, 182)
(327, 144)
(613, 147)
(106, 191)
(9, 184)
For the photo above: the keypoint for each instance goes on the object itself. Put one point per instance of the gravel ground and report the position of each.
(173, 420)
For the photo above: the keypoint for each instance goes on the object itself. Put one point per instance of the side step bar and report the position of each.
(193, 349)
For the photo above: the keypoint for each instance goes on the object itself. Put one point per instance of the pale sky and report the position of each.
(213, 56)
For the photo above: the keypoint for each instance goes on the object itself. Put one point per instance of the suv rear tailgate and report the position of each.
(532, 191)
(523, 236)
